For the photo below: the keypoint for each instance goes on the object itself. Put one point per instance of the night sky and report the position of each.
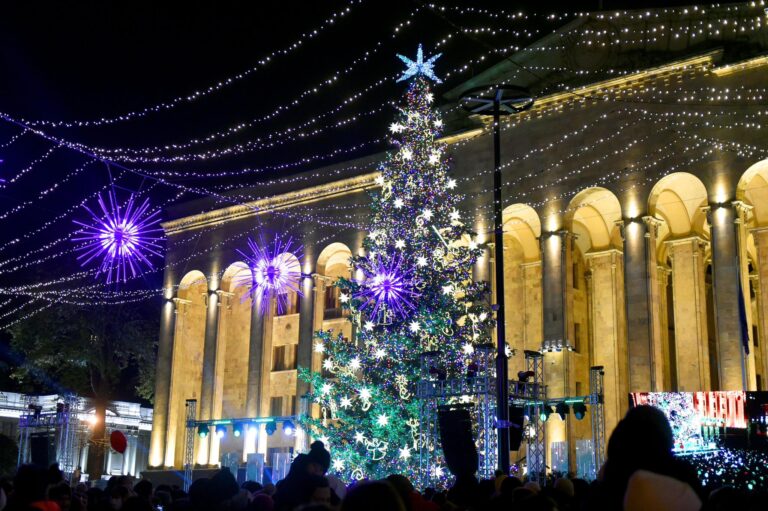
(84, 60)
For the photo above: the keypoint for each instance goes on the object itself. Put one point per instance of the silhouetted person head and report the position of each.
(223, 486)
(374, 496)
(143, 489)
(136, 503)
(251, 487)
(642, 440)
(645, 434)
(316, 491)
(318, 458)
(29, 485)
(403, 487)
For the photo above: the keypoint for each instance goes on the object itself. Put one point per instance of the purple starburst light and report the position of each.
(124, 238)
(275, 272)
(387, 288)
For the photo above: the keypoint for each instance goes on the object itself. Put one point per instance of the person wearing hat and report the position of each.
(318, 459)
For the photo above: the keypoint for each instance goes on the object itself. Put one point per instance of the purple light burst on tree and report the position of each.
(388, 287)
(124, 238)
(275, 272)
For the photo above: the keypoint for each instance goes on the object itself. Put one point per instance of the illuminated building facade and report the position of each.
(635, 233)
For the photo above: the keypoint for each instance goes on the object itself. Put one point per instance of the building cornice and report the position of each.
(270, 204)
(594, 91)
(290, 199)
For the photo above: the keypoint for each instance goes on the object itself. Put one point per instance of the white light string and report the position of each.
(14, 138)
(132, 155)
(31, 166)
(602, 181)
(329, 22)
(40, 196)
(546, 146)
(539, 150)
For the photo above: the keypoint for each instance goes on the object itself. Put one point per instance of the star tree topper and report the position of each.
(419, 66)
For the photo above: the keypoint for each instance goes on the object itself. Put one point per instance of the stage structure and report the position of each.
(435, 394)
(532, 396)
(63, 425)
(239, 426)
(541, 409)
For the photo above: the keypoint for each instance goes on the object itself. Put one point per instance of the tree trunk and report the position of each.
(98, 442)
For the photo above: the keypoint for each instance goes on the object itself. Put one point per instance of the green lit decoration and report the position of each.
(411, 292)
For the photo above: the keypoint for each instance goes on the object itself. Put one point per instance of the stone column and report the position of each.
(642, 298)
(609, 331)
(532, 303)
(306, 332)
(209, 371)
(670, 378)
(757, 351)
(556, 258)
(254, 381)
(731, 363)
(690, 313)
(255, 356)
(760, 237)
(162, 382)
(555, 276)
(743, 213)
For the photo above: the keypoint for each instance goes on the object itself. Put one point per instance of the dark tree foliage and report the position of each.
(96, 352)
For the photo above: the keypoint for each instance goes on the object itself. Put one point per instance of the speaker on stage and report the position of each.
(40, 449)
(456, 440)
(516, 420)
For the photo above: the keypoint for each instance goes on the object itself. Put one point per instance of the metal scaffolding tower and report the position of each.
(597, 414)
(476, 390)
(189, 447)
(533, 395)
(63, 425)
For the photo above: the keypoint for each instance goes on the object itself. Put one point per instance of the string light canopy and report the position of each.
(275, 272)
(124, 238)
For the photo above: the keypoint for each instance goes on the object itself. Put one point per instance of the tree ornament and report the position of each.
(125, 238)
(387, 288)
(419, 66)
(377, 448)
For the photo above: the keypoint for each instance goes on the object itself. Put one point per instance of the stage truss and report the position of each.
(192, 424)
(478, 391)
(63, 425)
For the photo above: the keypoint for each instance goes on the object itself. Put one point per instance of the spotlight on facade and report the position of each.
(221, 430)
(270, 428)
(579, 410)
(562, 410)
(546, 411)
(202, 430)
(237, 429)
(288, 428)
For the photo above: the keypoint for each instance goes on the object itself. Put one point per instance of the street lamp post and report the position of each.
(498, 100)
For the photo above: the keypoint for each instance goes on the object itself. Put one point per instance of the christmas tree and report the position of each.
(411, 292)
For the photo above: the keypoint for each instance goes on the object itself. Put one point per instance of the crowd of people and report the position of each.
(640, 474)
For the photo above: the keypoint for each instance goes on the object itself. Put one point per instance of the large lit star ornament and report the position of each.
(419, 66)
(275, 272)
(123, 237)
(387, 288)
